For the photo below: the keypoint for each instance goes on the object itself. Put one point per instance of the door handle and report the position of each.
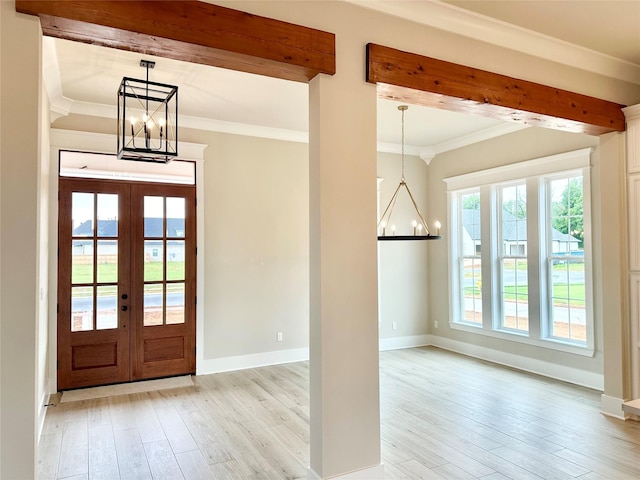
(125, 296)
(124, 308)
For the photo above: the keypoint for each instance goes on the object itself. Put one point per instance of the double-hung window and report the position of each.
(565, 241)
(470, 259)
(514, 292)
(521, 254)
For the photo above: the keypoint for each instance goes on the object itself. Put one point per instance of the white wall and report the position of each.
(403, 266)
(257, 245)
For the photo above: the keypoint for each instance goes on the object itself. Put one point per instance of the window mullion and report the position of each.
(489, 257)
(535, 247)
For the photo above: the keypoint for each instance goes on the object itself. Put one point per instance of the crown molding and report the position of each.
(59, 105)
(427, 154)
(479, 136)
(632, 112)
(62, 106)
(453, 19)
(106, 143)
(199, 123)
(384, 147)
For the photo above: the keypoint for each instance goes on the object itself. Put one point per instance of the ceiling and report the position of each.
(83, 79)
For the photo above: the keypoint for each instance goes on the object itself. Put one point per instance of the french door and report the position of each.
(126, 281)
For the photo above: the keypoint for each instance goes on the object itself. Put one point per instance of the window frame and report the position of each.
(549, 256)
(536, 174)
(461, 258)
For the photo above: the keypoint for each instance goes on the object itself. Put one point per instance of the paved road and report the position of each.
(560, 314)
(510, 278)
(111, 302)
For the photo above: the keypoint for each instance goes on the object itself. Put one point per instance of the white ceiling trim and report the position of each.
(62, 104)
(385, 147)
(479, 136)
(59, 104)
(428, 153)
(444, 16)
(186, 121)
(106, 143)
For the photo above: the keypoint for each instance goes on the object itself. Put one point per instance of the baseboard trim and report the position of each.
(527, 364)
(254, 360)
(395, 343)
(612, 407)
(264, 359)
(370, 473)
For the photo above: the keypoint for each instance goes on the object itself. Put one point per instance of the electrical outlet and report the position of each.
(394, 325)
(279, 336)
(435, 324)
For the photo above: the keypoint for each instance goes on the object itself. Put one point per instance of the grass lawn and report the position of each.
(108, 273)
(560, 293)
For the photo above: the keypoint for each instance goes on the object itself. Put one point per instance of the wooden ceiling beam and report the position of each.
(191, 31)
(421, 80)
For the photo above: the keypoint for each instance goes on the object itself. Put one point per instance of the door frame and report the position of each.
(103, 143)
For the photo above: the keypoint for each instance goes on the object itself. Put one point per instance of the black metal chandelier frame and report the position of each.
(153, 138)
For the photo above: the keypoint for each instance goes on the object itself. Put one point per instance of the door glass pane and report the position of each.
(175, 303)
(153, 216)
(175, 259)
(81, 309)
(153, 308)
(107, 303)
(82, 261)
(175, 217)
(82, 214)
(107, 215)
(153, 260)
(107, 261)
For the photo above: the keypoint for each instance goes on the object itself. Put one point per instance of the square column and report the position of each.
(344, 358)
(632, 115)
(20, 97)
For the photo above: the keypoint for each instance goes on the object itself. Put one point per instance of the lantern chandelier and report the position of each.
(147, 119)
(420, 228)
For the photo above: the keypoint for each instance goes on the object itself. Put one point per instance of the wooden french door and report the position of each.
(126, 281)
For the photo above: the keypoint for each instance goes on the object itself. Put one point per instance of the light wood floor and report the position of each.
(442, 416)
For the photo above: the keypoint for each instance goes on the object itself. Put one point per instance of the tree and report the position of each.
(471, 202)
(516, 204)
(567, 213)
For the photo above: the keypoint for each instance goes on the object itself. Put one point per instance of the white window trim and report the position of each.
(486, 180)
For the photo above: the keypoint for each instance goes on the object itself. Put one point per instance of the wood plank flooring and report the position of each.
(442, 416)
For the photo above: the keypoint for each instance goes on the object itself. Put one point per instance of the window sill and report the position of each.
(552, 344)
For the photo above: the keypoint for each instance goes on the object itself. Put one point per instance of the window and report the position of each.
(514, 291)
(565, 244)
(470, 258)
(520, 252)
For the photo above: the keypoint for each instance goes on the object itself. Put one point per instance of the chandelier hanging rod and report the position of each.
(385, 219)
